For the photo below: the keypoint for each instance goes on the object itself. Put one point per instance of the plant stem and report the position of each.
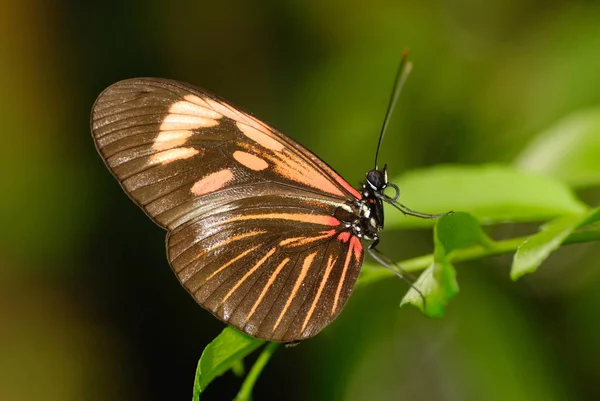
(476, 252)
(245, 393)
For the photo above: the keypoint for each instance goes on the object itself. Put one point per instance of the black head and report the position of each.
(377, 180)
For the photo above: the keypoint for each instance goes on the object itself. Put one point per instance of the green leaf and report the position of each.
(569, 150)
(593, 217)
(438, 282)
(222, 354)
(536, 248)
(238, 368)
(491, 193)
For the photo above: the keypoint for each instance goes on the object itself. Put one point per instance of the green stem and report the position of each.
(245, 393)
(477, 252)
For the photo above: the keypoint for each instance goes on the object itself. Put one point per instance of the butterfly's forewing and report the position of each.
(256, 221)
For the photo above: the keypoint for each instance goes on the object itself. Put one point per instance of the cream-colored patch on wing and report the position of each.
(260, 137)
(171, 139)
(197, 100)
(223, 110)
(249, 160)
(171, 155)
(193, 109)
(307, 262)
(237, 115)
(212, 182)
(186, 122)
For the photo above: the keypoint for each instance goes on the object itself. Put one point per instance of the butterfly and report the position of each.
(261, 232)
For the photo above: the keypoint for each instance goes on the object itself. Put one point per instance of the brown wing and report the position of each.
(276, 272)
(258, 225)
(179, 152)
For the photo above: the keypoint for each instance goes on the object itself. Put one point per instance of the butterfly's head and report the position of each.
(376, 184)
(376, 180)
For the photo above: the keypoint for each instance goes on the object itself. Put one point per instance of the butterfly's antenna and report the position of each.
(403, 71)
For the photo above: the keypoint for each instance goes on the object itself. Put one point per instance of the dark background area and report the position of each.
(89, 308)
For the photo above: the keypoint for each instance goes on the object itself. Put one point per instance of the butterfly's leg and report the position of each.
(402, 274)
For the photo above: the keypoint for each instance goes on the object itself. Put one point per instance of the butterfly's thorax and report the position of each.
(369, 209)
(369, 221)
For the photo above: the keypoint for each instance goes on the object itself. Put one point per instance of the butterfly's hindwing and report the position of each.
(258, 225)
(277, 273)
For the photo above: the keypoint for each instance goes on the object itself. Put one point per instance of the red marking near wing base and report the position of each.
(212, 182)
(356, 247)
(344, 236)
(346, 186)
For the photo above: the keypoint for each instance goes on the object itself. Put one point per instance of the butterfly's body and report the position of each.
(261, 232)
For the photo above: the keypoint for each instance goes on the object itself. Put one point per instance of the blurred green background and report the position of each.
(89, 307)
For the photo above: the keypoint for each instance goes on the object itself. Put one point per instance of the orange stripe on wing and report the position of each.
(266, 288)
(296, 169)
(297, 241)
(320, 219)
(241, 255)
(305, 265)
(341, 283)
(248, 274)
(330, 264)
(260, 137)
(220, 244)
(356, 247)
